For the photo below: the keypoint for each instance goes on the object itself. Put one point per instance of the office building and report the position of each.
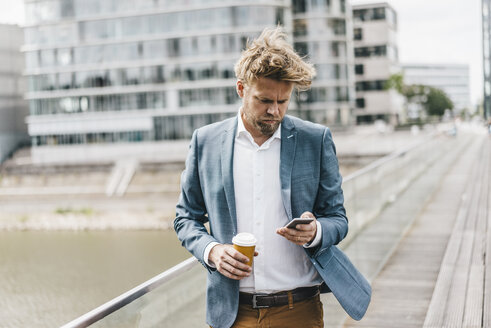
(323, 32)
(120, 71)
(453, 79)
(13, 109)
(376, 59)
(486, 45)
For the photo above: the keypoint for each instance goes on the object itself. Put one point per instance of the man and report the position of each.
(254, 173)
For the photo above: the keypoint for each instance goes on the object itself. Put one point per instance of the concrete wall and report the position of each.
(168, 151)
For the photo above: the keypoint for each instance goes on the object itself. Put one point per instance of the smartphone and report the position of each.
(293, 223)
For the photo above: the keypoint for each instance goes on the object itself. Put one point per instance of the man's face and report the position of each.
(264, 104)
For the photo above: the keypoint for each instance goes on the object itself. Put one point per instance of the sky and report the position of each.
(430, 31)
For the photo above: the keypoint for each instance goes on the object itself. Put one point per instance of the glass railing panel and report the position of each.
(177, 303)
(368, 193)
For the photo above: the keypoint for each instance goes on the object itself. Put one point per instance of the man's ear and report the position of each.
(240, 88)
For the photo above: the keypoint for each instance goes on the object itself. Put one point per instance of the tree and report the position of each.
(433, 100)
(437, 102)
(396, 82)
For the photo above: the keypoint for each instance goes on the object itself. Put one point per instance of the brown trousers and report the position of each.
(305, 314)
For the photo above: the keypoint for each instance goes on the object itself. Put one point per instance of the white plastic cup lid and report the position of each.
(244, 239)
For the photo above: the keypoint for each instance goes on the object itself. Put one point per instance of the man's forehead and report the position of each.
(270, 94)
(264, 88)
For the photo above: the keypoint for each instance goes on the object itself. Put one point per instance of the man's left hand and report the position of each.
(303, 233)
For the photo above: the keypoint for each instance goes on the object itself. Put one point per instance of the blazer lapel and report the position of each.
(288, 145)
(227, 163)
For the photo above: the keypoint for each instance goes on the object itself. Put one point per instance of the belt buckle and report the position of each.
(254, 302)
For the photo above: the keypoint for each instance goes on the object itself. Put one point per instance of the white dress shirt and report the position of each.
(280, 265)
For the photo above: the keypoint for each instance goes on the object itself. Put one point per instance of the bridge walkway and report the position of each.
(439, 274)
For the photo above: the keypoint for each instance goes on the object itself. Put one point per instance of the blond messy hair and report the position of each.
(271, 56)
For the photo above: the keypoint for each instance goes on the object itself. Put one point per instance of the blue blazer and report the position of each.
(310, 181)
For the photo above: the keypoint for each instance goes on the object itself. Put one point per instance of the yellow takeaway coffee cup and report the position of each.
(245, 243)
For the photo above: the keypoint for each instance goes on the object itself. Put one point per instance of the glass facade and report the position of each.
(150, 25)
(91, 138)
(98, 103)
(131, 76)
(114, 53)
(46, 11)
(168, 60)
(486, 34)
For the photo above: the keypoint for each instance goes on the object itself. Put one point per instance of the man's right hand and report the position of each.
(230, 262)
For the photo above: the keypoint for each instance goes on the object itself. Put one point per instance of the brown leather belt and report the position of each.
(258, 301)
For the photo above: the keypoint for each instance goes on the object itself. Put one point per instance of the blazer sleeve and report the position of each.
(329, 204)
(191, 213)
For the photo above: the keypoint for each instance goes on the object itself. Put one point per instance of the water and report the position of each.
(49, 278)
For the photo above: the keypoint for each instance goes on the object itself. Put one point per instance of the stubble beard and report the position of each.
(264, 128)
(267, 129)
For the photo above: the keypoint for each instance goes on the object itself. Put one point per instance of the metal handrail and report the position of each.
(135, 293)
(131, 295)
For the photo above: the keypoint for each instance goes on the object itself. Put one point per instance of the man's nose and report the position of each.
(274, 109)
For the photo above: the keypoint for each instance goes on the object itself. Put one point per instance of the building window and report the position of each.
(360, 102)
(378, 13)
(392, 17)
(375, 85)
(207, 97)
(329, 94)
(331, 72)
(102, 137)
(115, 102)
(338, 26)
(302, 48)
(300, 27)
(342, 4)
(66, 9)
(392, 53)
(338, 116)
(299, 6)
(359, 69)
(369, 14)
(173, 47)
(376, 51)
(358, 34)
(280, 16)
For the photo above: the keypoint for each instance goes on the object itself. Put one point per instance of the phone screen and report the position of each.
(293, 223)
